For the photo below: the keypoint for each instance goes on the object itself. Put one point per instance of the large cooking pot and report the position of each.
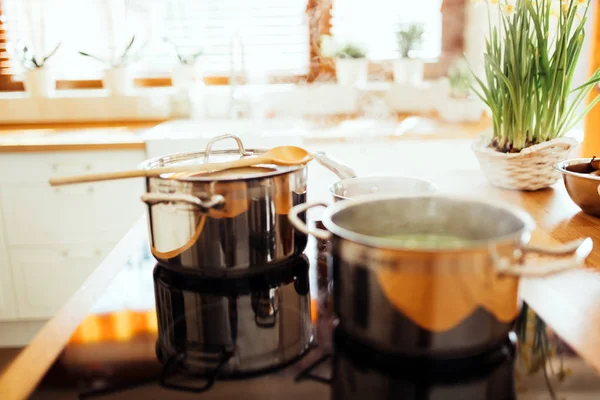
(351, 186)
(230, 220)
(436, 301)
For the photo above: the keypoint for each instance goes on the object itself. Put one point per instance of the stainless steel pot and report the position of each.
(215, 327)
(583, 187)
(350, 186)
(438, 302)
(231, 220)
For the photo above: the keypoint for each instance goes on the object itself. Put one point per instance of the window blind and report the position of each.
(273, 34)
(374, 24)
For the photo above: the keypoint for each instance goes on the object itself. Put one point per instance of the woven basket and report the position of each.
(530, 169)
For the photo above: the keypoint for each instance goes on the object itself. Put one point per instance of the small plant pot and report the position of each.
(118, 81)
(184, 75)
(530, 169)
(351, 71)
(451, 109)
(39, 82)
(408, 71)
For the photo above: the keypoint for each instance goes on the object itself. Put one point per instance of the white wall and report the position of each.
(583, 67)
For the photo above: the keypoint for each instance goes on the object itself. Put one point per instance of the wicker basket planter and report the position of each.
(530, 169)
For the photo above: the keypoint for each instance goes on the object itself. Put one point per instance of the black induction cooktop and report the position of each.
(116, 351)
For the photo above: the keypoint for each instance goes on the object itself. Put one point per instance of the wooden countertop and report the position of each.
(128, 135)
(568, 302)
(19, 379)
(73, 137)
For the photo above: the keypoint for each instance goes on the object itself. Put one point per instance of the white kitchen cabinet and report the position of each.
(52, 238)
(36, 213)
(45, 277)
(8, 308)
(41, 166)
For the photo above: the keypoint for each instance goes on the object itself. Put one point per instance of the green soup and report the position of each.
(428, 240)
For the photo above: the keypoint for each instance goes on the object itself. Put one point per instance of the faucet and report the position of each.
(239, 106)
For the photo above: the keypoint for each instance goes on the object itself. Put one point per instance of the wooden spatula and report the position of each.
(282, 155)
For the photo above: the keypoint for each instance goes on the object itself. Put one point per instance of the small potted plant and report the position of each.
(117, 74)
(459, 105)
(351, 64)
(185, 71)
(37, 77)
(408, 69)
(529, 65)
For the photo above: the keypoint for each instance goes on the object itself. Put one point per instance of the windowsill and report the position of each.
(85, 93)
(210, 102)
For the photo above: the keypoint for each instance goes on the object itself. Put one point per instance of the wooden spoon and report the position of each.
(282, 155)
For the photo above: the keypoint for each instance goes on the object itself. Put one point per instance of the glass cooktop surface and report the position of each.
(115, 353)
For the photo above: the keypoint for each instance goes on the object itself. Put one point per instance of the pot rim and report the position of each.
(173, 158)
(521, 235)
(432, 186)
(561, 167)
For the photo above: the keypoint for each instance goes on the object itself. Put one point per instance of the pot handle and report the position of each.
(214, 201)
(579, 249)
(341, 170)
(302, 226)
(210, 144)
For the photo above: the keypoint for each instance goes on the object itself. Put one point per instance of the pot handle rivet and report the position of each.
(301, 225)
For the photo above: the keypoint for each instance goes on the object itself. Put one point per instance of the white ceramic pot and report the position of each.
(39, 82)
(351, 71)
(408, 71)
(404, 98)
(118, 80)
(451, 109)
(184, 75)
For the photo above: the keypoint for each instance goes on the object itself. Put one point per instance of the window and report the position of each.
(374, 24)
(274, 34)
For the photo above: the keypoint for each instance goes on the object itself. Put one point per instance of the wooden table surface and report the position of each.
(569, 302)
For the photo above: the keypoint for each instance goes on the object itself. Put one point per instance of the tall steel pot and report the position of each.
(438, 302)
(228, 221)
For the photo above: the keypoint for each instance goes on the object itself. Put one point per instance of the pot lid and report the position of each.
(215, 156)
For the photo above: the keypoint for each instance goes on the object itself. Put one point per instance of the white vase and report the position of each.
(184, 75)
(408, 71)
(39, 82)
(451, 109)
(351, 71)
(118, 81)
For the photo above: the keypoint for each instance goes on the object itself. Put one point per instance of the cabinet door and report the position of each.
(45, 277)
(8, 309)
(37, 214)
